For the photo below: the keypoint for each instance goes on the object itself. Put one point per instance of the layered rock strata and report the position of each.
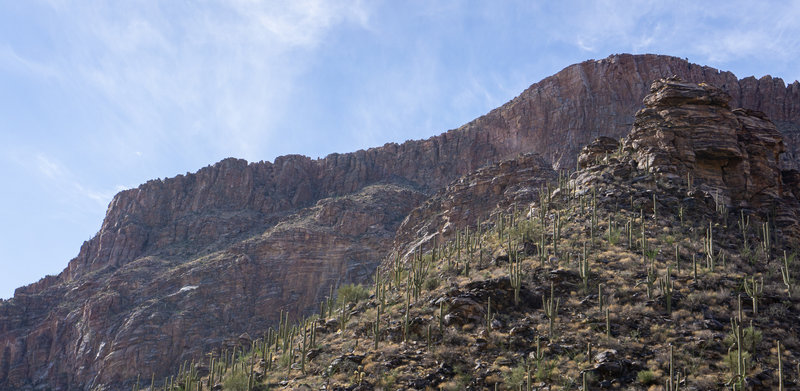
(688, 139)
(161, 308)
(688, 132)
(470, 199)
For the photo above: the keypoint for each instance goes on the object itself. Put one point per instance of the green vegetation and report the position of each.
(646, 377)
(468, 306)
(237, 382)
(351, 293)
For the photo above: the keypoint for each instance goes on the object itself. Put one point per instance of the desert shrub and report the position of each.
(751, 337)
(431, 283)
(285, 360)
(777, 310)
(458, 382)
(453, 338)
(351, 293)
(387, 380)
(646, 377)
(515, 378)
(236, 382)
(731, 360)
(546, 371)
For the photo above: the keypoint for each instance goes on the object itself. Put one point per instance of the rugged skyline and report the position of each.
(183, 265)
(104, 97)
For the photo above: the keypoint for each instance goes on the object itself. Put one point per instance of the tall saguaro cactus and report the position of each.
(550, 307)
(754, 290)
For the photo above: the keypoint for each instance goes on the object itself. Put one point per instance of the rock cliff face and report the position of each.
(559, 115)
(471, 198)
(687, 132)
(687, 137)
(175, 304)
(181, 265)
(688, 129)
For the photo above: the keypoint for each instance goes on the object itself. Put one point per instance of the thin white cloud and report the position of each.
(300, 23)
(99, 197)
(584, 45)
(48, 167)
(13, 61)
(715, 35)
(227, 71)
(59, 179)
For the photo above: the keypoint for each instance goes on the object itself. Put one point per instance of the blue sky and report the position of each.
(96, 97)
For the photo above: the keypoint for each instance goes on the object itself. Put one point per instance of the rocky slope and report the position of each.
(463, 203)
(255, 238)
(620, 276)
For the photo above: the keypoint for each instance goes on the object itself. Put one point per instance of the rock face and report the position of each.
(689, 130)
(557, 116)
(598, 149)
(686, 132)
(687, 138)
(173, 305)
(179, 266)
(471, 198)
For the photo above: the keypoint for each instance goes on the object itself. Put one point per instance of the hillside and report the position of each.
(651, 267)
(184, 265)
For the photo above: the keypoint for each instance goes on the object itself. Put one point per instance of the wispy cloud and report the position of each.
(715, 35)
(57, 178)
(177, 74)
(13, 61)
(47, 167)
(298, 23)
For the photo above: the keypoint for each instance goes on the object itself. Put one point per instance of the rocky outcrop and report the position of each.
(181, 264)
(688, 132)
(598, 149)
(688, 140)
(470, 199)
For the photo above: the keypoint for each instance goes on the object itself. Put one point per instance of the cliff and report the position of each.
(184, 264)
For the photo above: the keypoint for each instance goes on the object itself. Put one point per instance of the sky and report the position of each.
(101, 96)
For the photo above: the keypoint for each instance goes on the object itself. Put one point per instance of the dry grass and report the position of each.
(642, 331)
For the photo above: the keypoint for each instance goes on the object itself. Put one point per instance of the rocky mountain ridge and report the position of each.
(650, 268)
(182, 264)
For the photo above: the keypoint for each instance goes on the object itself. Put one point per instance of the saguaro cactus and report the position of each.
(780, 368)
(550, 307)
(667, 284)
(787, 279)
(754, 290)
(584, 271)
(489, 314)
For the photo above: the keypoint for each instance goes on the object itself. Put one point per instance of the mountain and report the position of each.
(186, 265)
(668, 258)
